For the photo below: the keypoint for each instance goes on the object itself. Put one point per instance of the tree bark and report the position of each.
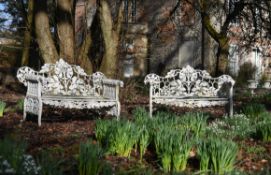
(222, 58)
(27, 33)
(111, 38)
(65, 30)
(222, 40)
(43, 34)
(83, 59)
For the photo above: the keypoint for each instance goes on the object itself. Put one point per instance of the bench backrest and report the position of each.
(188, 82)
(65, 79)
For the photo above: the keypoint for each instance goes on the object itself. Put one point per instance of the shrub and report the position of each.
(90, 162)
(2, 108)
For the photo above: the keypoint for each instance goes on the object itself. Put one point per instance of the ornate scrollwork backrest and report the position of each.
(188, 82)
(62, 78)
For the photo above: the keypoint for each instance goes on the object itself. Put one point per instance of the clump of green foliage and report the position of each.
(195, 122)
(122, 138)
(2, 108)
(90, 159)
(20, 105)
(254, 110)
(171, 141)
(119, 137)
(102, 130)
(217, 155)
(48, 164)
(14, 160)
(263, 130)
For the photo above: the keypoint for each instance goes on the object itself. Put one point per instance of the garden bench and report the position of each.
(189, 87)
(68, 86)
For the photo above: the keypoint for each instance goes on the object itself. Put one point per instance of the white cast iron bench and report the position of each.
(68, 86)
(189, 87)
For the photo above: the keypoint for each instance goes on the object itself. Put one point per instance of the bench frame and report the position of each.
(68, 86)
(189, 87)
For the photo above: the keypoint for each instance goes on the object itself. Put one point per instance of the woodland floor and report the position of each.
(62, 131)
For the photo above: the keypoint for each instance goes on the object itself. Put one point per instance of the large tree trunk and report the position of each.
(43, 34)
(65, 30)
(222, 57)
(111, 38)
(27, 33)
(223, 44)
(83, 60)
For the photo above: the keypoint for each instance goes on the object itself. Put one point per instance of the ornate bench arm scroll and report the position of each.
(152, 79)
(23, 72)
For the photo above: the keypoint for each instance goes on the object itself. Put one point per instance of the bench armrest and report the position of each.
(112, 82)
(34, 86)
(34, 78)
(111, 88)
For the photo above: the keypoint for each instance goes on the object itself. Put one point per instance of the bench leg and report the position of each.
(24, 113)
(118, 110)
(231, 108)
(151, 108)
(40, 113)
